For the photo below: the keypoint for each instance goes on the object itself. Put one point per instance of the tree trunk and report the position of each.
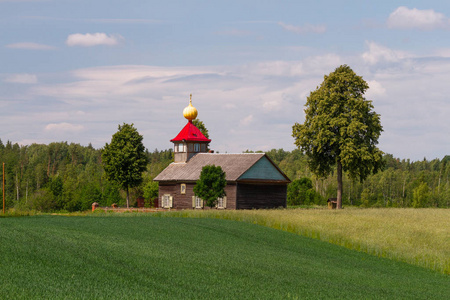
(340, 187)
(17, 186)
(128, 198)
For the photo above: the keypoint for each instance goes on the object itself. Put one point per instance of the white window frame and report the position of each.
(221, 203)
(166, 201)
(197, 147)
(198, 202)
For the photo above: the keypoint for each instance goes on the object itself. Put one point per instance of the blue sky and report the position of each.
(73, 70)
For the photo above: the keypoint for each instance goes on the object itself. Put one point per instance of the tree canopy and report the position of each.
(301, 192)
(211, 184)
(340, 129)
(124, 159)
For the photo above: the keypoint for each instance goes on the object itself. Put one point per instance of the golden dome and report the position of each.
(190, 112)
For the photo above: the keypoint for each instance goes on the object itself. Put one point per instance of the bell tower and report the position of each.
(190, 140)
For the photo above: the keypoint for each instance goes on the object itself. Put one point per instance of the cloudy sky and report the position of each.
(73, 70)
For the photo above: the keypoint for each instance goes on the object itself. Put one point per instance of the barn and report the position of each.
(253, 179)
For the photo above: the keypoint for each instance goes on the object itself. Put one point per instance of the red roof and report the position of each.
(190, 133)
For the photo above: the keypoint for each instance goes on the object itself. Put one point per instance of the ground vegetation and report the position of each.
(55, 257)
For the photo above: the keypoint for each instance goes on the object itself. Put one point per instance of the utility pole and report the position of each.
(3, 188)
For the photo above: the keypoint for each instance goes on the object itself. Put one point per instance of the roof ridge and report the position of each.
(230, 153)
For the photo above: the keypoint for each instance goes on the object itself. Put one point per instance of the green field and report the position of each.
(416, 236)
(147, 257)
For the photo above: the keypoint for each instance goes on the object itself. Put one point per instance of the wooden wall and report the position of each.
(184, 201)
(261, 195)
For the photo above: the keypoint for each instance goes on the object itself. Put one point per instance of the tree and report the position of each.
(201, 126)
(124, 158)
(421, 195)
(211, 184)
(298, 191)
(340, 129)
(301, 192)
(151, 191)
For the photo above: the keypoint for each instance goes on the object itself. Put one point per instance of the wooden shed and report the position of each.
(253, 181)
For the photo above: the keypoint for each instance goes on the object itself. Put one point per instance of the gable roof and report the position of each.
(190, 133)
(234, 166)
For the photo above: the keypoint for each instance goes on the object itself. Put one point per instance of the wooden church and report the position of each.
(253, 179)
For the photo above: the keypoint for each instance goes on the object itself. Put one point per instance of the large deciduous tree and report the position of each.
(124, 159)
(211, 184)
(340, 129)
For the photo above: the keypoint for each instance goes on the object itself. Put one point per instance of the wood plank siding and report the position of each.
(261, 195)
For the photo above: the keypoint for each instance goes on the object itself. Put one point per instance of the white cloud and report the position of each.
(93, 39)
(22, 78)
(30, 46)
(427, 19)
(444, 52)
(378, 53)
(375, 89)
(317, 65)
(247, 120)
(307, 28)
(244, 107)
(63, 127)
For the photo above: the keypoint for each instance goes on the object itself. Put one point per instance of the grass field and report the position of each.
(416, 236)
(146, 257)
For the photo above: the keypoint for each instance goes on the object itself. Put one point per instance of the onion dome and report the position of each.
(190, 112)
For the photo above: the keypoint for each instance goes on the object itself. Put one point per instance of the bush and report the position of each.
(300, 191)
(43, 200)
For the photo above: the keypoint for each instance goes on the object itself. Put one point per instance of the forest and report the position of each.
(70, 177)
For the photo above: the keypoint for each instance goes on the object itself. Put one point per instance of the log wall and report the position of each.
(261, 195)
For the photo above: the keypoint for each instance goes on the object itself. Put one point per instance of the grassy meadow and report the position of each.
(416, 236)
(148, 256)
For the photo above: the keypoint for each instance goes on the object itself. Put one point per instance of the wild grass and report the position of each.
(18, 213)
(138, 256)
(417, 236)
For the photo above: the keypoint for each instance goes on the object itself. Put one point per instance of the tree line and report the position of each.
(401, 183)
(70, 177)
